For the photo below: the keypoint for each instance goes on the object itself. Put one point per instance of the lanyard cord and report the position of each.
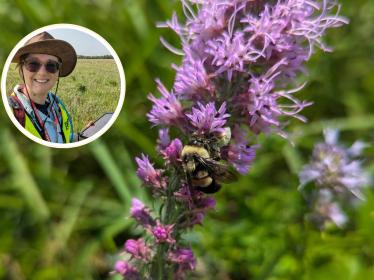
(41, 125)
(57, 119)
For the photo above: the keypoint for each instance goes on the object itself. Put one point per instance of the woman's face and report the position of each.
(38, 83)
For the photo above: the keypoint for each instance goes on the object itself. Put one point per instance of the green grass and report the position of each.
(90, 91)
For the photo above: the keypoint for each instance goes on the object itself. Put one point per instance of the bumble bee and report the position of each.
(201, 162)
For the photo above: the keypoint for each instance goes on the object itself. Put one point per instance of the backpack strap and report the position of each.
(18, 110)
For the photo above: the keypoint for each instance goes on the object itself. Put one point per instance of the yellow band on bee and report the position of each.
(202, 152)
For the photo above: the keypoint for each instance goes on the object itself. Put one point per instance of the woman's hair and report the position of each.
(20, 63)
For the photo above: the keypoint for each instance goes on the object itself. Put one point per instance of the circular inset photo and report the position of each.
(63, 86)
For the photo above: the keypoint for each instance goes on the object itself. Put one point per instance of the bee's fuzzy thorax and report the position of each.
(188, 149)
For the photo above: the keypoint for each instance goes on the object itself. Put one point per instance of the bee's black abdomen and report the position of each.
(212, 188)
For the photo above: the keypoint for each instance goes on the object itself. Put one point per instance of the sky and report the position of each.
(83, 43)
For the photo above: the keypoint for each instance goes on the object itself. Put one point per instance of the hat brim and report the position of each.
(55, 47)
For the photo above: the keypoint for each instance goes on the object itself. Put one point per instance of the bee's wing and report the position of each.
(219, 171)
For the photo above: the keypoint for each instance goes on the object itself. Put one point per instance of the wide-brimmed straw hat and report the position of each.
(45, 43)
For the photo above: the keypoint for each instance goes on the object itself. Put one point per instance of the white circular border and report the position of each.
(120, 71)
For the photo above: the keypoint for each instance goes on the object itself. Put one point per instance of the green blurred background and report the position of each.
(63, 212)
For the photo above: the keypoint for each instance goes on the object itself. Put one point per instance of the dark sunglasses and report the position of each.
(34, 66)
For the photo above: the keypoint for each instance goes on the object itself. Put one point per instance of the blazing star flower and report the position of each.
(192, 82)
(141, 213)
(259, 105)
(231, 53)
(210, 21)
(206, 119)
(149, 175)
(282, 27)
(335, 167)
(126, 270)
(166, 110)
(247, 40)
(163, 233)
(138, 249)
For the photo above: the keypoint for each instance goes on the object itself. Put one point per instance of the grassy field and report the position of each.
(90, 91)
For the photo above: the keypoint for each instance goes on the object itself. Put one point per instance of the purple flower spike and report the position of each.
(126, 270)
(166, 110)
(141, 213)
(163, 233)
(245, 56)
(138, 249)
(206, 119)
(149, 175)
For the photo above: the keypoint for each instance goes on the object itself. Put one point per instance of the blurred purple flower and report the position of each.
(126, 270)
(196, 218)
(206, 119)
(339, 179)
(163, 138)
(138, 249)
(184, 257)
(141, 213)
(335, 167)
(328, 210)
(206, 202)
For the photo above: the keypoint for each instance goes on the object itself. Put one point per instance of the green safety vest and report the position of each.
(66, 124)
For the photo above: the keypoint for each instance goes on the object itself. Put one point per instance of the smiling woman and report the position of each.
(63, 86)
(41, 61)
